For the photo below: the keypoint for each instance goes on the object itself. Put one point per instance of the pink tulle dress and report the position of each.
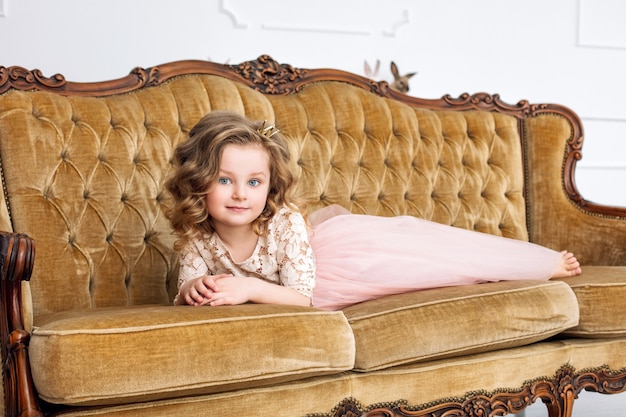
(361, 257)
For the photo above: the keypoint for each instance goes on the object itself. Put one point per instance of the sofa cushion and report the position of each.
(455, 321)
(118, 355)
(601, 291)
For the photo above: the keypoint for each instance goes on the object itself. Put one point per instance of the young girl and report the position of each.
(242, 239)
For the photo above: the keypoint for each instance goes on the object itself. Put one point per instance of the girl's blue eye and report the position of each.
(223, 181)
(254, 183)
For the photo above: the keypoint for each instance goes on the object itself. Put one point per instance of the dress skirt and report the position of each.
(362, 257)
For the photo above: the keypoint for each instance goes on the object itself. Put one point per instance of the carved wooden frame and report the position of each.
(264, 74)
(557, 393)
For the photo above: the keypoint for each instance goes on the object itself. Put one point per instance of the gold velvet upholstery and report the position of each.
(376, 156)
(423, 383)
(178, 351)
(83, 168)
(597, 236)
(600, 292)
(503, 315)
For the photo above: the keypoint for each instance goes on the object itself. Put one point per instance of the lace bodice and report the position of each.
(282, 256)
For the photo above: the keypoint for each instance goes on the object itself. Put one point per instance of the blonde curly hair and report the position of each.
(196, 167)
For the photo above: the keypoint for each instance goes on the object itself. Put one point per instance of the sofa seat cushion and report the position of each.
(601, 291)
(119, 355)
(455, 321)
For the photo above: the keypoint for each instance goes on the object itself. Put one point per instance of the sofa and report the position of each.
(89, 274)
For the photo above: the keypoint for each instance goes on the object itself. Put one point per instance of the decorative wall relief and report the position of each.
(322, 16)
(404, 19)
(225, 8)
(600, 23)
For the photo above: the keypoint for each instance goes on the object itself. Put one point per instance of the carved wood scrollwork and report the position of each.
(557, 393)
(485, 101)
(23, 79)
(147, 77)
(493, 102)
(270, 77)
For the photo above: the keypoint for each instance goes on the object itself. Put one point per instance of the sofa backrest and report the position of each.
(83, 164)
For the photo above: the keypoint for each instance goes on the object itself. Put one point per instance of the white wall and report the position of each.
(571, 52)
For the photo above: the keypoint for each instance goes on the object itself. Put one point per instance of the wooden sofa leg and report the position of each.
(559, 395)
(569, 384)
(562, 408)
(17, 252)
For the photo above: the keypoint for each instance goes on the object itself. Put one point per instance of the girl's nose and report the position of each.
(239, 192)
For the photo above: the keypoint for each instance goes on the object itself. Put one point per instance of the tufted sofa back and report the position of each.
(83, 174)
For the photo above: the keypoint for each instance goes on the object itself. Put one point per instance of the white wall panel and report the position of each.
(601, 173)
(601, 23)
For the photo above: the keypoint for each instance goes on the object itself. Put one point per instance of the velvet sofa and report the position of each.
(88, 271)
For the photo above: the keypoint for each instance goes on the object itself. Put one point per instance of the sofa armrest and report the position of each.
(558, 215)
(17, 253)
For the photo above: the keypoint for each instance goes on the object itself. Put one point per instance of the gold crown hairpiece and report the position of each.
(267, 129)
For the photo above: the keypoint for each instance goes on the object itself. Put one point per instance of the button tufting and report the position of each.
(47, 193)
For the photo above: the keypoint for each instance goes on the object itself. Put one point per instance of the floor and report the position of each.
(588, 404)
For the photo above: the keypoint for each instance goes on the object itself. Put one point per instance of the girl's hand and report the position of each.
(225, 289)
(199, 291)
(230, 290)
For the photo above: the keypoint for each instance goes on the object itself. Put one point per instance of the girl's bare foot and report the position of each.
(569, 266)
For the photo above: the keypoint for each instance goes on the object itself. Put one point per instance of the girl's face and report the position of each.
(239, 194)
